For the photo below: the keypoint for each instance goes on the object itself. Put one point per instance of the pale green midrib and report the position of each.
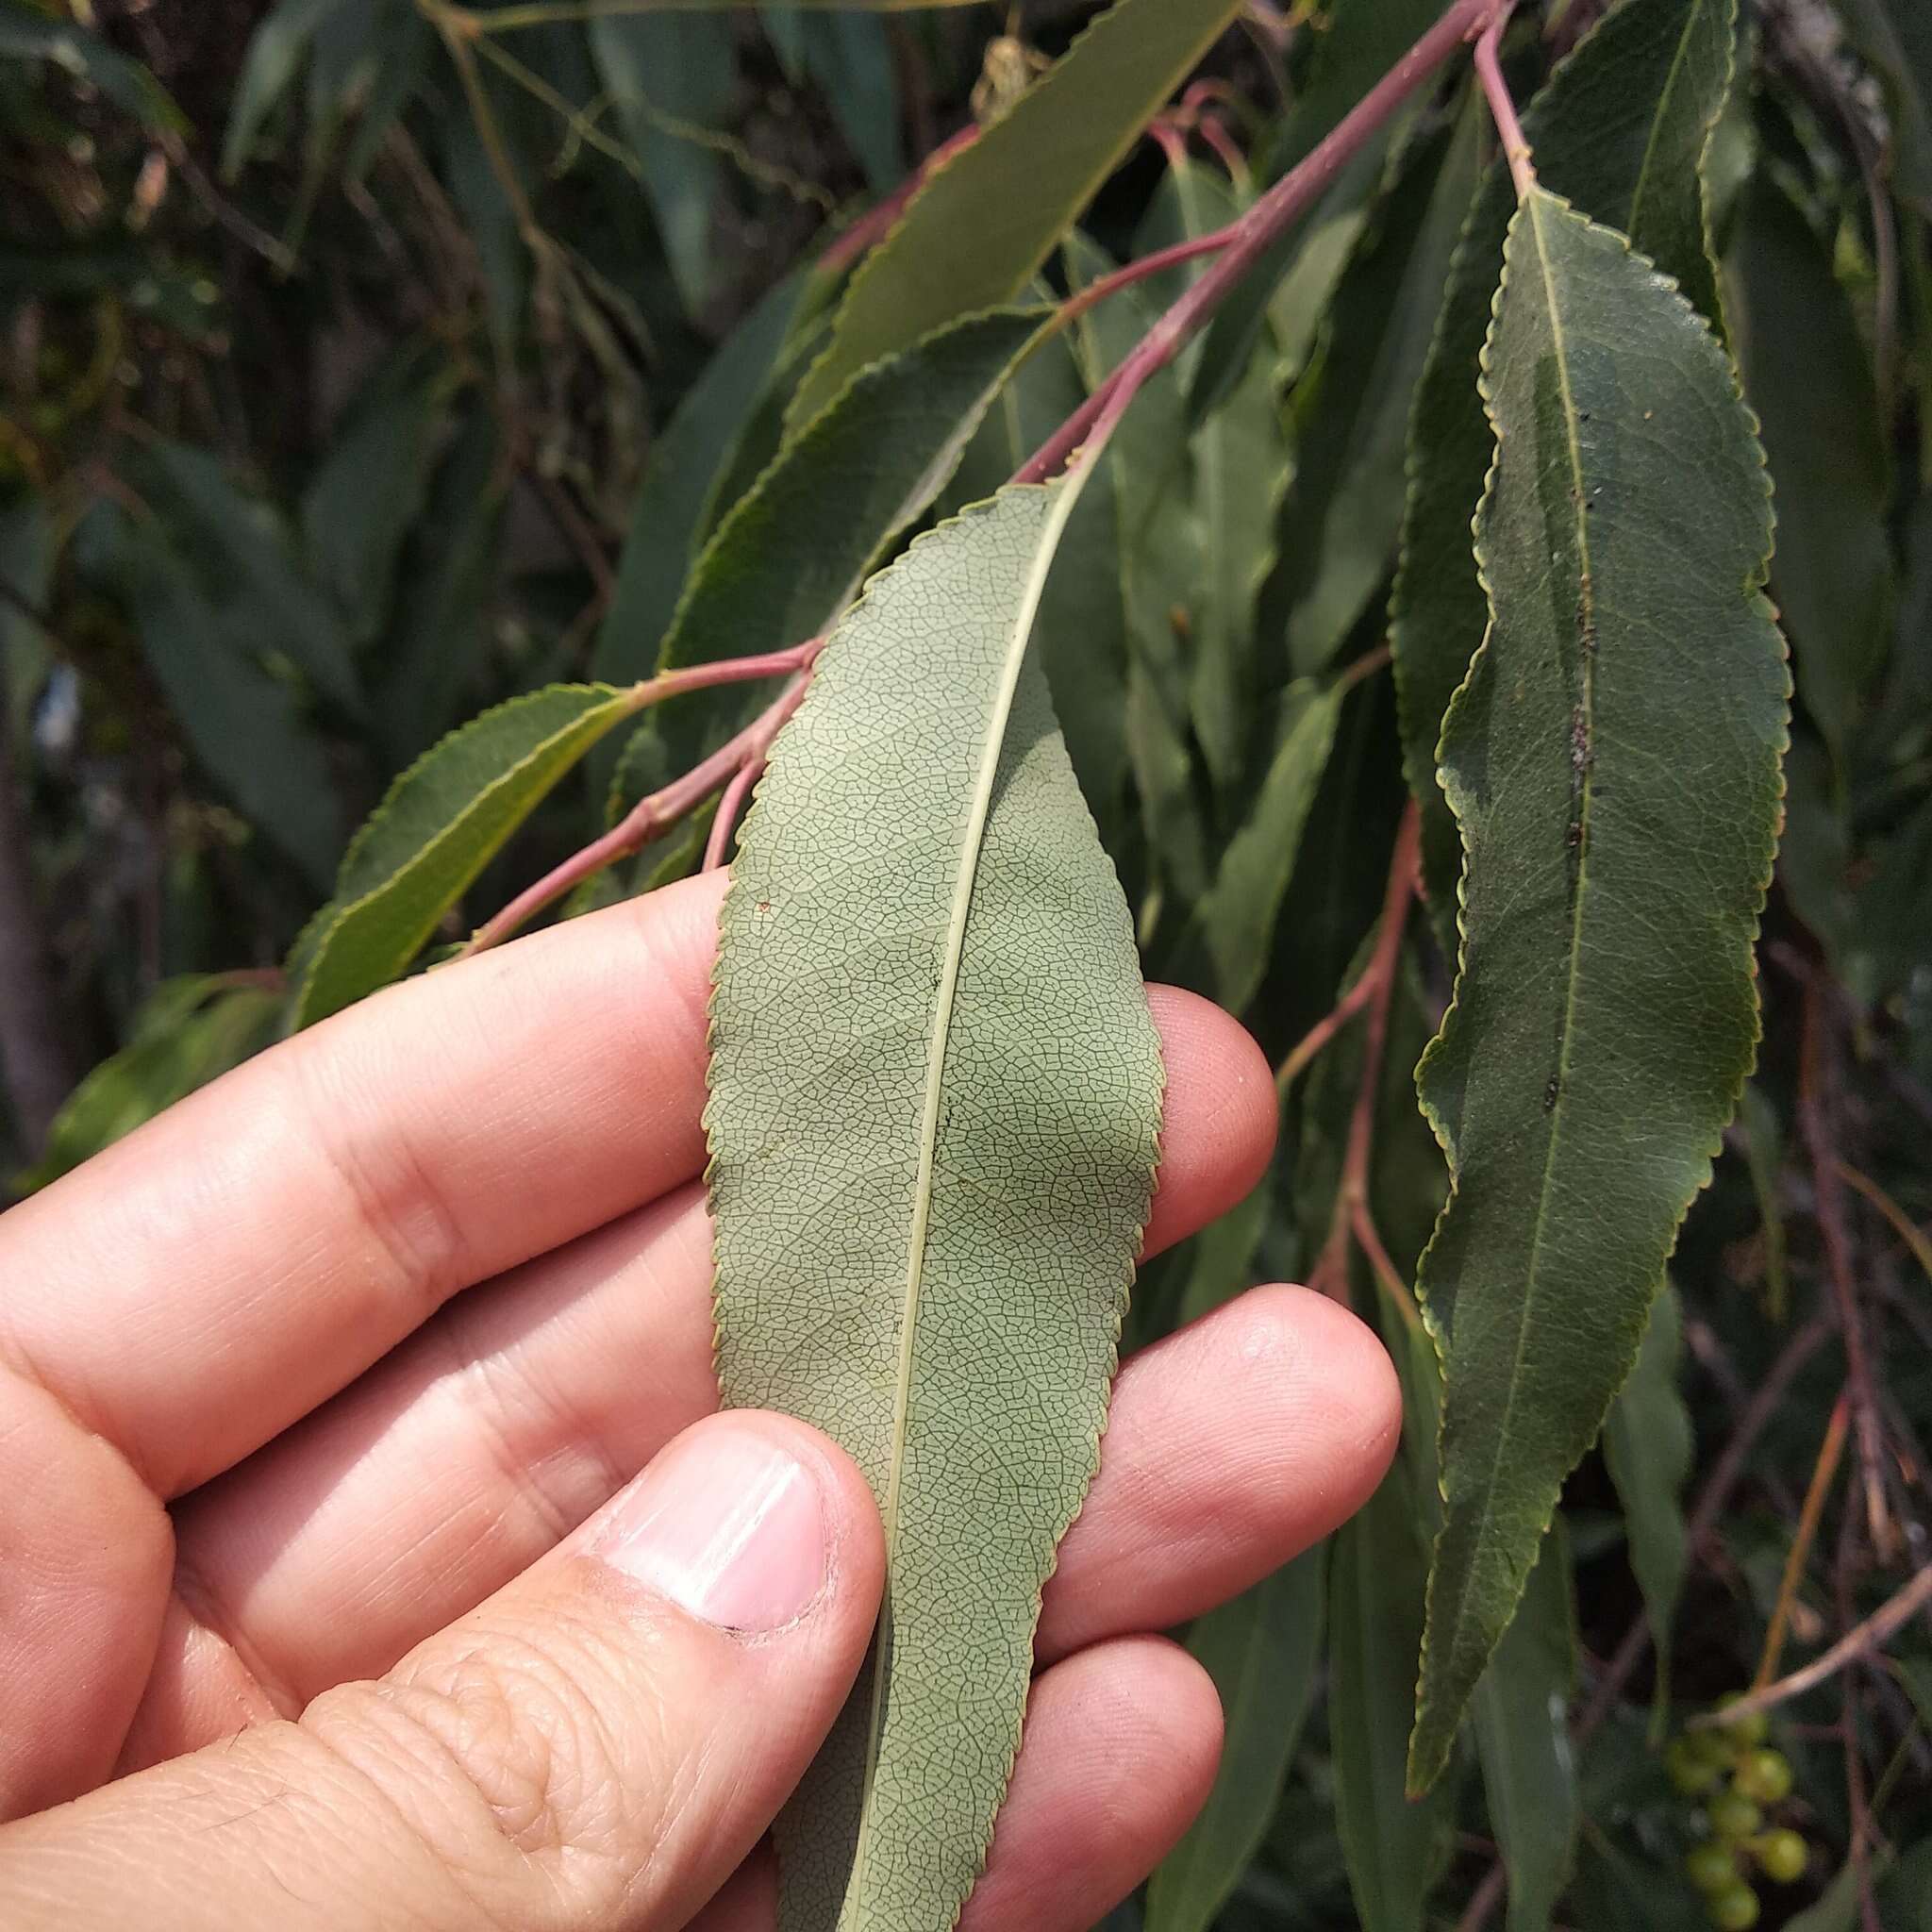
(971, 845)
(1587, 593)
(1657, 121)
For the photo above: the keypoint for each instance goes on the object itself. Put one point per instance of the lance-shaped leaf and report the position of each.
(1649, 1447)
(1394, 1847)
(934, 1092)
(986, 218)
(1612, 760)
(1523, 1738)
(1260, 1650)
(442, 821)
(1620, 131)
(791, 553)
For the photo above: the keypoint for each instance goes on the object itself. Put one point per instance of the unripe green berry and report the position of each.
(1711, 1867)
(1735, 1817)
(1765, 1775)
(1750, 1730)
(1734, 1910)
(1782, 1856)
(1692, 1771)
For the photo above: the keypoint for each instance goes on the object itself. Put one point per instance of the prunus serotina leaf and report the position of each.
(934, 1095)
(1612, 759)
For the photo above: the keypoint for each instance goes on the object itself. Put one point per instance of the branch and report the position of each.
(1256, 232)
(1860, 1642)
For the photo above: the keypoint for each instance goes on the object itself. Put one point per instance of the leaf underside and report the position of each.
(935, 1094)
(1613, 762)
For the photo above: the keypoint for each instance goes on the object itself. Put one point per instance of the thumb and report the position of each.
(597, 1746)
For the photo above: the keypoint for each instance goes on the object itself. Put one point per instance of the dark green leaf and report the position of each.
(275, 53)
(1808, 376)
(1522, 1712)
(1340, 517)
(984, 221)
(27, 34)
(1394, 1846)
(1260, 1650)
(1620, 131)
(686, 460)
(670, 77)
(443, 821)
(1612, 759)
(1649, 1446)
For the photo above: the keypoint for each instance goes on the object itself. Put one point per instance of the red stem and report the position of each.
(717, 847)
(1255, 233)
(1489, 71)
(1162, 259)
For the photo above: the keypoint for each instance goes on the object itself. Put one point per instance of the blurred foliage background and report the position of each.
(358, 370)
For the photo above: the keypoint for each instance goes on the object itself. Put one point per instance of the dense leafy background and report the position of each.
(358, 376)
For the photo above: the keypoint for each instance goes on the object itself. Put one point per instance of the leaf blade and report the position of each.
(994, 869)
(1017, 188)
(1627, 508)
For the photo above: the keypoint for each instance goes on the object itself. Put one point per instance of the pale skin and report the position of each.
(374, 1557)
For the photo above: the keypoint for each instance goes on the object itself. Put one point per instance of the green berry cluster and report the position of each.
(1737, 1777)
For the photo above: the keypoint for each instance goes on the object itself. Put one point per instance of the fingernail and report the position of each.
(726, 1523)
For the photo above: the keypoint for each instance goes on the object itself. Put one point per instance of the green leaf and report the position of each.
(253, 554)
(1612, 760)
(27, 34)
(275, 53)
(367, 492)
(928, 1011)
(1341, 518)
(1234, 923)
(1261, 1652)
(1394, 1846)
(791, 555)
(852, 60)
(670, 77)
(686, 460)
(1836, 1911)
(244, 726)
(985, 220)
(1764, 1154)
(1523, 1737)
(1808, 376)
(1356, 46)
(441, 823)
(1649, 1448)
(188, 1031)
(1621, 132)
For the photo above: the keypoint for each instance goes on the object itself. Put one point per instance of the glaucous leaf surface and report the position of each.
(1613, 762)
(441, 823)
(934, 1092)
(1261, 1651)
(1619, 130)
(1521, 1713)
(1649, 1447)
(987, 218)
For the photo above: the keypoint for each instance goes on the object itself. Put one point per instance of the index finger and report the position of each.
(274, 1235)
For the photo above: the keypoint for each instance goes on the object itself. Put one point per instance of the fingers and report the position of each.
(1118, 1752)
(1232, 1446)
(602, 1742)
(280, 1231)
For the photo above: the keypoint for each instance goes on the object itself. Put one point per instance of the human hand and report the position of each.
(330, 1580)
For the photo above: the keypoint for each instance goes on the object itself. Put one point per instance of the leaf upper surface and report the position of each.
(1613, 762)
(442, 821)
(986, 218)
(1620, 131)
(935, 1092)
